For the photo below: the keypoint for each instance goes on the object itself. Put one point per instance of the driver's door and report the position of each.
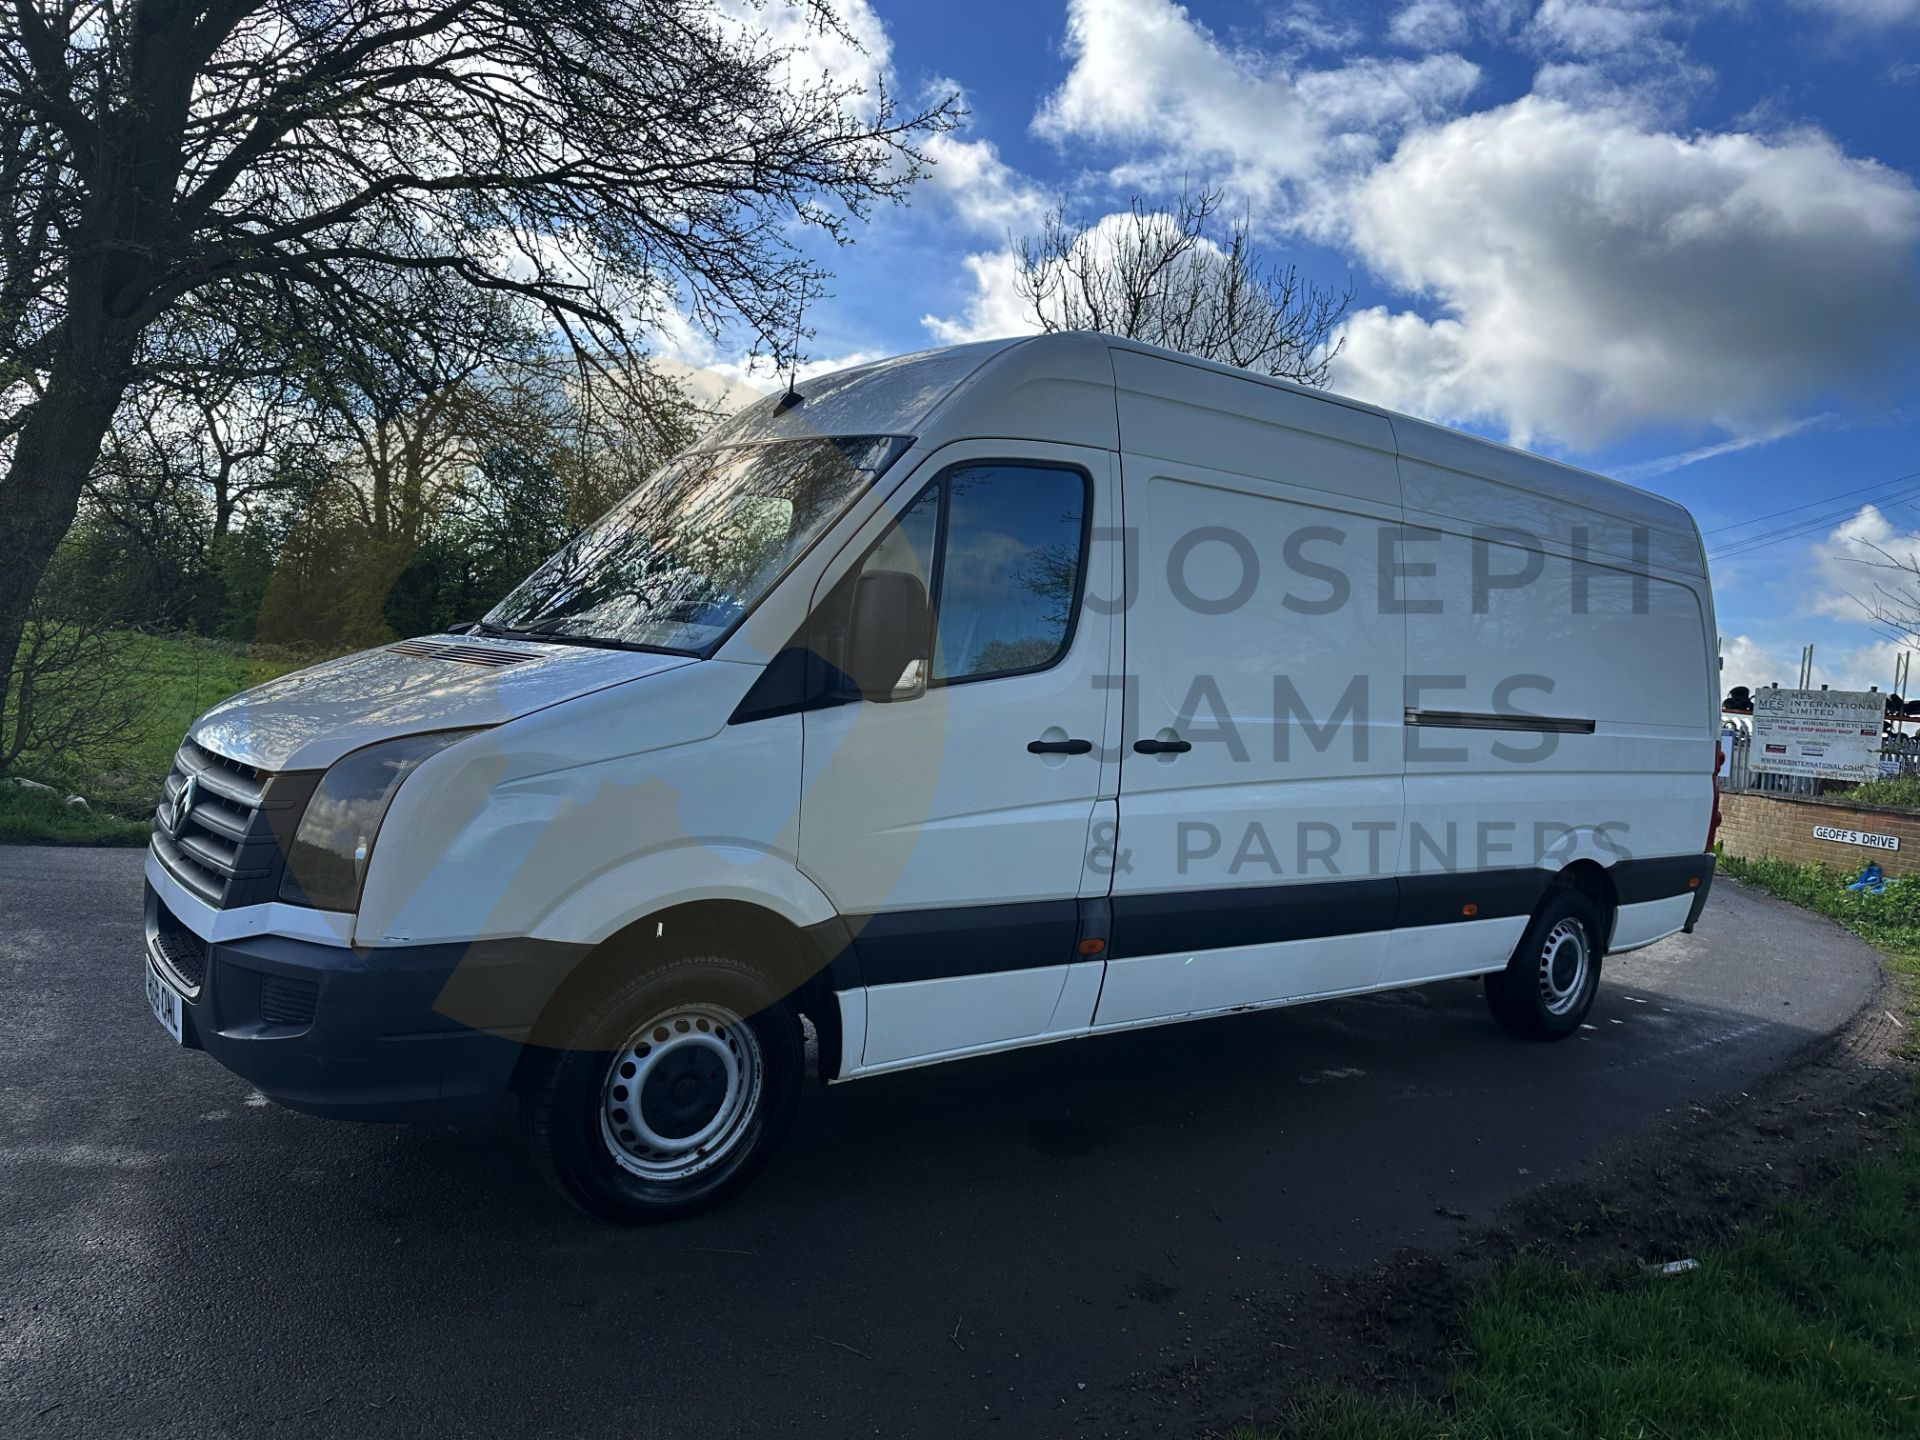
(954, 828)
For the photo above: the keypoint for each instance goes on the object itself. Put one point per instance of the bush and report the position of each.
(1897, 792)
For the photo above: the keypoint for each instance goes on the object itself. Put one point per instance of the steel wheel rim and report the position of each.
(681, 1092)
(1565, 961)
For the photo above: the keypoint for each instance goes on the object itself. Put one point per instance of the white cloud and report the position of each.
(997, 309)
(1759, 663)
(723, 378)
(994, 311)
(1619, 54)
(1749, 662)
(859, 52)
(1842, 577)
(709, 389)
(1304, 27)
(1591, 274)
(1599, 27)
(1590, 85)
(1500, 18)
(1428, 25)
(1368, 98)
(1865, 567)
(1149, 77)
(984, 192)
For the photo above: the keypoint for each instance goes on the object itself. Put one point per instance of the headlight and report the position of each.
(327, 861)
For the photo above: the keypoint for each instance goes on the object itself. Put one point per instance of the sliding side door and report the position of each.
(1260, 791)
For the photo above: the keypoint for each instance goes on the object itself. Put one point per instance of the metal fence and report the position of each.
(1899, 755)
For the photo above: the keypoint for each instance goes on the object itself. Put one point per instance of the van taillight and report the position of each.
(1713, 820)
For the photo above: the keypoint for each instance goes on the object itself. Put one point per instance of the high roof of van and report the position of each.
(1061, 387)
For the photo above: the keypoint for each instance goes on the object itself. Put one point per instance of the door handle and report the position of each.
(1162, 747)
(1059, 747)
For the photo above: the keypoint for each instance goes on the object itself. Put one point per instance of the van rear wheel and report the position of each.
(668, 1090)
(1548, 986)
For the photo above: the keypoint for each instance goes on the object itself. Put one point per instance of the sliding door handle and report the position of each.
(1059, 747)
(1162, 747)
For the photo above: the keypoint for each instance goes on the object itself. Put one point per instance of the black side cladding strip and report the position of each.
(895, 947)
(1218, 919)
(1496, 894)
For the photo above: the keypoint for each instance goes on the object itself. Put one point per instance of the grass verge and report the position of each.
(180, 678)
(34, 817)
(1806, 1325)
(177, 678)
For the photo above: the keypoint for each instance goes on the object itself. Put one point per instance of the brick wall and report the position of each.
(1781, 826)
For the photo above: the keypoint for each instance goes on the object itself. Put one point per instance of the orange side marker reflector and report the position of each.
(1092, 947)
(1694, 883)
(1469, 909)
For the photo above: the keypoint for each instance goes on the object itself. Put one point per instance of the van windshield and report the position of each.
(680, 560)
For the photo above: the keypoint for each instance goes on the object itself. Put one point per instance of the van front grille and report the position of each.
(222, 827)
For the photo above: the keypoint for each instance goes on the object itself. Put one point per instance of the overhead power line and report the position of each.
(1807, 525)
(1823, 500)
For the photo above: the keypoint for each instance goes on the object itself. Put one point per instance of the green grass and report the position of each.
(33, 817)
(180, 677)
(1809, 1326)
(1806, 1326)
(176, 678)
(1889, 921)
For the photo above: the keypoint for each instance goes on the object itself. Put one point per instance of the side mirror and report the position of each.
(889, 636)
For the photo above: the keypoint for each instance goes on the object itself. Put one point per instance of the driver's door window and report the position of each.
(1001, 548)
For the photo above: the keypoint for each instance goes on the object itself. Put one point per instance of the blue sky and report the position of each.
(1679, 243)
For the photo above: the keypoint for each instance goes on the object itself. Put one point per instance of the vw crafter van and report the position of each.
(983, 697)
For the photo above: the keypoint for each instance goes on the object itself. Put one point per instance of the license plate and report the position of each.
(166, 1002)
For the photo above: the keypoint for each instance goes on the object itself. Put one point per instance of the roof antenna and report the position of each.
(793, 396)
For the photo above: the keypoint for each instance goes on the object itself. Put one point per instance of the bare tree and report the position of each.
(266, 166)
(412, 420)
(210, 421)
(1890, 596)
(1160, 276)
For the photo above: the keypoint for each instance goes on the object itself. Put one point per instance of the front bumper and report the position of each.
(415, 1032)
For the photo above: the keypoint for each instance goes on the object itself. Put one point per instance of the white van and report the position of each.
(978, 698)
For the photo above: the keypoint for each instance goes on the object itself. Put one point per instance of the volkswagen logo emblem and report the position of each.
(183, 804)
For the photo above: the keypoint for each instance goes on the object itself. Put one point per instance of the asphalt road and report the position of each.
(982, 1248)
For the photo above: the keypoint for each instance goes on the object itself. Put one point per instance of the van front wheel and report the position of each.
(1548, 986)
(670, 1092)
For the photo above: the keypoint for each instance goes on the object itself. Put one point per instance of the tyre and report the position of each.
(1549, 984)
(668, 1090)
